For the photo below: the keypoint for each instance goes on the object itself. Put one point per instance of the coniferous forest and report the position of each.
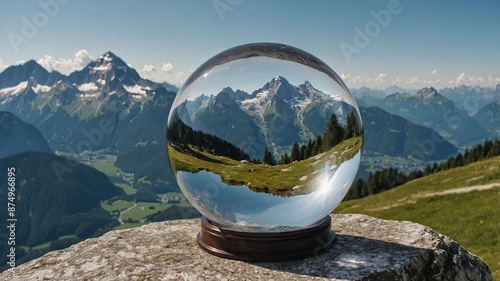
(181, 134)
(391, 177)
(334, 134)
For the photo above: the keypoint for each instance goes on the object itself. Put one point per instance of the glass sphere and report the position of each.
(264, 137)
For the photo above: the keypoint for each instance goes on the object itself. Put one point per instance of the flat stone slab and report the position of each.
(365, 248)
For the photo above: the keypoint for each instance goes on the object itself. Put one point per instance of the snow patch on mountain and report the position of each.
(90, 95)
(103, 68)
(107, 57)
(88, 87)
(256, 104)
(11, 91)
(136, 89)
(38, 88)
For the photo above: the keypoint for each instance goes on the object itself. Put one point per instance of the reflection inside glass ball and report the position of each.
(264, 138)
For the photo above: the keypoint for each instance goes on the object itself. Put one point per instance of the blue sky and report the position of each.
(439, 43)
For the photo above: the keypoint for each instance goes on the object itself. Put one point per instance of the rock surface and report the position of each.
(365, 248)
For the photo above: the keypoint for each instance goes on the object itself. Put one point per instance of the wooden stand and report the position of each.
(269, 246)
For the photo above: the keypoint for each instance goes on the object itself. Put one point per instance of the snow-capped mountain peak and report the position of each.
(107, 61)
(106, 69)
(108, 56)
(276, 82)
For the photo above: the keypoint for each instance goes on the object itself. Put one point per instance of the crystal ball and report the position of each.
(264, 137)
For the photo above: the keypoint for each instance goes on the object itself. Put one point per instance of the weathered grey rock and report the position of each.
(366, 248)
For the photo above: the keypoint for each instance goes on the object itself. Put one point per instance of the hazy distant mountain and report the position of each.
(467, 98)
(471, 98)
(367, 97)
(395, 136)
(394, 89)
(431, 109)
(17, 136)
(489, 117)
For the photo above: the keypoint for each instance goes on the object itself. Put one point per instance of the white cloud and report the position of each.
(493, 80)
(162, 73)
(82, 58)
(415, 81)
(167, 67)
(352, 81)
(149, 68)
(180, 75)
(381, 78)
(412, 80)
(463, 78)
(66, 66)
(358, 81)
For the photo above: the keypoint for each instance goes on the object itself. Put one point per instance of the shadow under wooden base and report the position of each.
(269, 246)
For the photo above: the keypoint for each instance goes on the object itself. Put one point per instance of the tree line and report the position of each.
(334, 134)
(391, 177)
(182, 134)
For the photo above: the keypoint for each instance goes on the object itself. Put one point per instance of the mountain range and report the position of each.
(302, 113)
(471, 98)
(454, 114)
(276, 115)
(465, 97)
(431, 109)
(107, 108)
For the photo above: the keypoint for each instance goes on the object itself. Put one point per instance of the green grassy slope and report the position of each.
(279, 179)
(471, 218)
